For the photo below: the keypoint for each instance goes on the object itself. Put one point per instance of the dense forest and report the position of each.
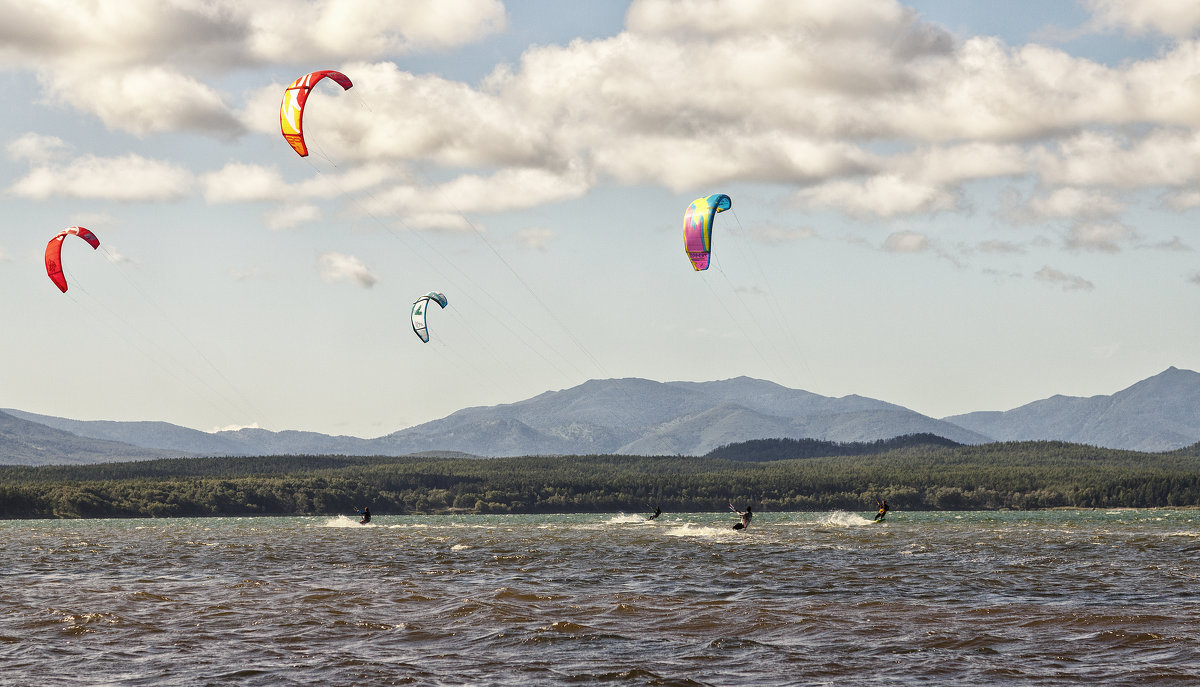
(912, 474)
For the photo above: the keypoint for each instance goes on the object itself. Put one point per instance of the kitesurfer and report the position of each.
(883, 509)
(657, 512)
(366, 515)
(746, 516)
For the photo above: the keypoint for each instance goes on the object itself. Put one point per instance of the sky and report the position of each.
(950, 205)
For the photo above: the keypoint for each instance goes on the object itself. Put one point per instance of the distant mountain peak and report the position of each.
(646, 417)
(1158, 413)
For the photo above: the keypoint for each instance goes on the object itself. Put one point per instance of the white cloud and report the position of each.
(1104, 237)
(338, 267)
(140, 65)
(36, 148)
(143, 100)
(291, 215)
(1162, 157)
(330, 30)
(880, 196)
(228, 33)
(1075, 203)
(864, 106)
(906, 242)
(951, 164)
(233, 428)
(1169, 17)
(507, 189)
(239, 182)
(1068, 282)
(128, 178)
(1183, 200)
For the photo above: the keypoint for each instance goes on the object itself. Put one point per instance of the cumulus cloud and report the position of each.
(1075, 203)
(955, 163)
(128, 178)
(1183, 200)
(794, 94)
(906, 242)
(860, 106)
(1068, 282)
(880, 196)
(144, 100)
(333, 30)
(1168, 17)
(1163, 157)
(338, 267)
(132, 63)
(239, 182)
(1105, 237)
(292, 215)
(36, 148)
(445, 205)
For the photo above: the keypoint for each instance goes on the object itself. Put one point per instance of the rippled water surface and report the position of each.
(1045, 598)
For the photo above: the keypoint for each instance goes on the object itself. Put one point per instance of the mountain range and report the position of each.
(643, 417)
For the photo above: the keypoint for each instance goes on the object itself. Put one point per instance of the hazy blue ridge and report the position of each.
(1160, 413)
(24, 442)
(644, 417)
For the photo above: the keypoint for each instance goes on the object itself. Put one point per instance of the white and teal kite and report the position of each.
(420, 306)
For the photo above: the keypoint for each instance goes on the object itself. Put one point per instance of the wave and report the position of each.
(840, 518)
(622, 519)
(689, 529)
(343, 521)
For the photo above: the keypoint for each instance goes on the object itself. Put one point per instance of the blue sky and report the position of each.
(952, 206)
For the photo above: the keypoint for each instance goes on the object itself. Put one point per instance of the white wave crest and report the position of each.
(843, 519)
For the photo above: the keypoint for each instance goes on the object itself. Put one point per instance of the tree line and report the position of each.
(914, 475)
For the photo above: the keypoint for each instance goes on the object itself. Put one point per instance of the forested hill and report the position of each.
(1017, 475)
(762, 450)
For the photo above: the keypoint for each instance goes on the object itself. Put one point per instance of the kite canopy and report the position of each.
(54, 254)
(291, 110)
(420, 306)
(697, 227)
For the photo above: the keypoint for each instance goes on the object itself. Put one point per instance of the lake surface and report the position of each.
(1042, 598)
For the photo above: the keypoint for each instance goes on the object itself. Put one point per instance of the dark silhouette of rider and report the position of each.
(366, 513)
(746, 517)
(883, 509)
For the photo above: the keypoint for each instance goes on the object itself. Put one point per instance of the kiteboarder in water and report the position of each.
(365, 513)
(657, 512)
(746, 516)
(883, 509)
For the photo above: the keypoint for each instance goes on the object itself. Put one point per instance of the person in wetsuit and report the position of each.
(657, 512)
(883, 509)
(746, 516)
(366, 515)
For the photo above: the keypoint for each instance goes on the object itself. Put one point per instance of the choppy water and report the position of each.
(1047, 598)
